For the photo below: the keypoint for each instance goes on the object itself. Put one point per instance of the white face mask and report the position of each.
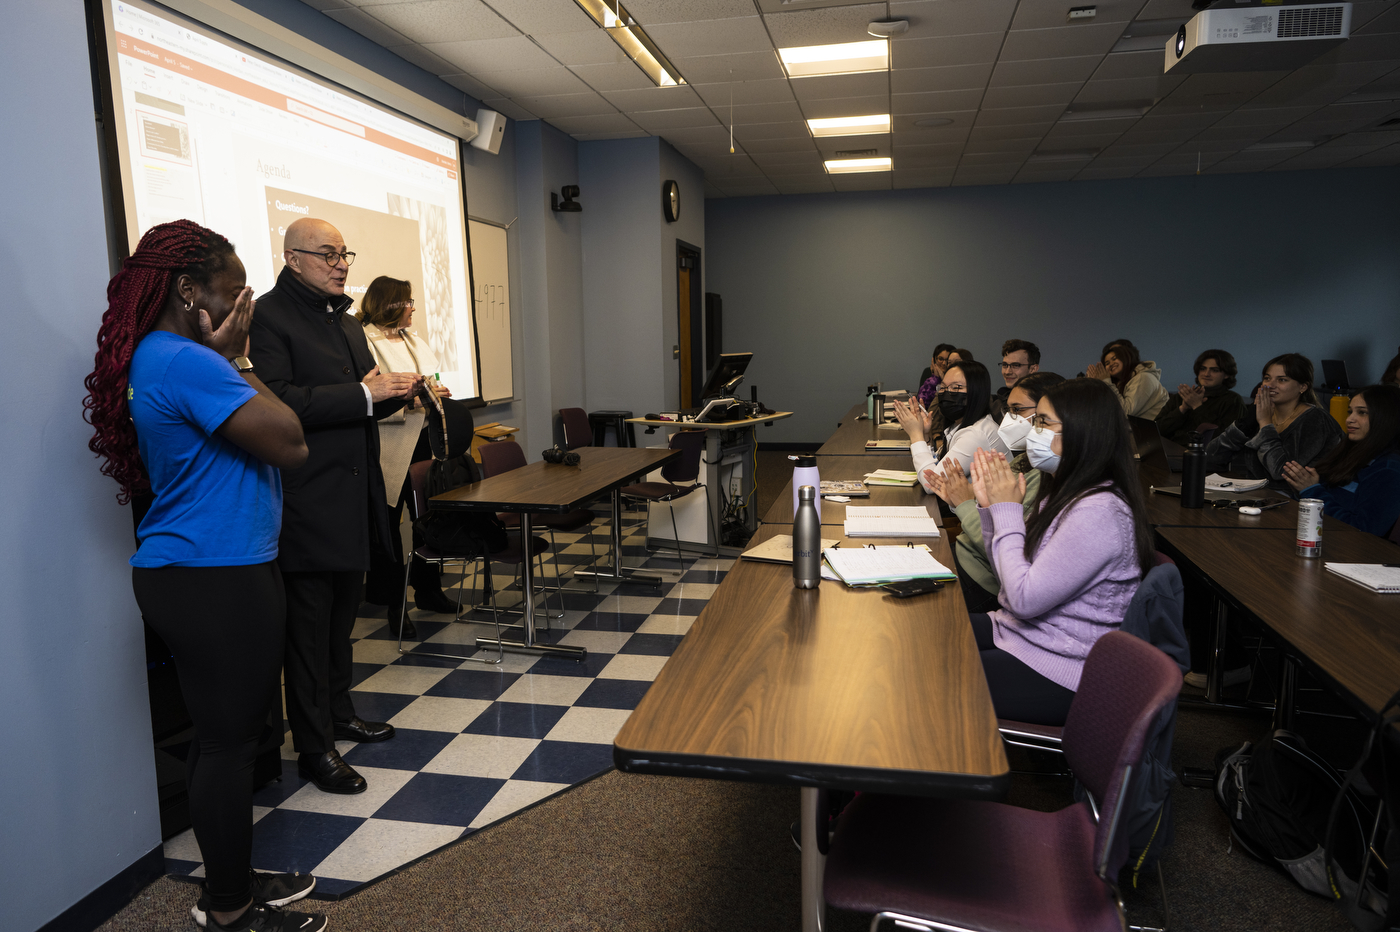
(1039, 450)
(1013, 431)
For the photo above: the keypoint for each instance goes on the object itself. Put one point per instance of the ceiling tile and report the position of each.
(470, 85)
(1045, 71)
(545, 17)
(804, 185)
(1127, 150)
(1378, 18)
(1381, 157)
(904, 180)
(426, 21)
(618, 77)
(652, 97)
(1096, 172)
(999, 150)
(823, 26)
(369, 27)
(825, 87)
(740, 66)
(1231, 134)
(1364, 48)
(942, 51)
(953, 17)
(833, 147)
(1061, 41)
(1130, 65)
(945, 152)
(429, 62)
(1033, 174)
(1035, 95)
(747, 187)
(659, 121)
(845, 107)
(1167, 9)
(1015, 115)
(809, 169)
(778, 144)
(1015, 131)
(961, 120)
(711, 37)
(583, 48)
(935, 101)
(1055, 141)
(509, 107)
(1124, 89)
(653, 12)
(1267, 116)
(773, 90)
(324, 5)
(698, 135)
(975, 175)
(951, 78)
(622, 134)
(748, 132)
(597, 123)
(543, 82)
(565, 105)
(1044, 14)
(759, 113)
(863, 181)
(767, 160)
(480, 55)
(1094, 127)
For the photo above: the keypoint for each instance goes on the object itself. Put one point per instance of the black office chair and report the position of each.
(691, 443)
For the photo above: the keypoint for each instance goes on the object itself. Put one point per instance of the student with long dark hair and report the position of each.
(1137, 381)
(176, 408)
(1359, 481)
(964, 403)
(1068, 574)
(1284, 423)
(933, 374)
(1208, 400)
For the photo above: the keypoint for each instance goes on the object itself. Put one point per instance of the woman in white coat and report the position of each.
(964, 402)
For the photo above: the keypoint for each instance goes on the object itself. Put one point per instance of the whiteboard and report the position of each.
(491, 283)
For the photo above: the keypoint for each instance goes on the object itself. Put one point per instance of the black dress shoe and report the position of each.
(435, 602)
(410, 633)
(330, 773)
(364, 732)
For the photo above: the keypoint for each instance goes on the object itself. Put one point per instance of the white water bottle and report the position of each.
(805, 473)
(806, 541)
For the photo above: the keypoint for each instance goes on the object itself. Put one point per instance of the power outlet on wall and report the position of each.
(736, 482)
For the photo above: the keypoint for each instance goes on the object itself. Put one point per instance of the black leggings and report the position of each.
(224, 624)
(1018, 692)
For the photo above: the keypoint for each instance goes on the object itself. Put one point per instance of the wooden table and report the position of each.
(855, 467)
(1166, 511)
(831, 687)
(1347, 634)
(547, 487)
(852, 434)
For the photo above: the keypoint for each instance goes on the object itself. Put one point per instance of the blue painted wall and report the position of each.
(837, 291)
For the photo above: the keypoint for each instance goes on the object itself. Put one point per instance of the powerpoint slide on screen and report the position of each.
(212, 132)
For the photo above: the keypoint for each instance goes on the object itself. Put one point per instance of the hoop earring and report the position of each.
(188, 306)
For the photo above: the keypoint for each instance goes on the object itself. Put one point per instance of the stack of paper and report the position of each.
(875, 566)
(1378, 577)
(899, 477)
(886, 446)
(894, 521)
(1218, 483)
(777, 549)
(844, 487)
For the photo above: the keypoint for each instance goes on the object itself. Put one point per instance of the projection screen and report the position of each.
(213, 130)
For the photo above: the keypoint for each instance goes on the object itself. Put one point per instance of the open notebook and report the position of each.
(1378, 577)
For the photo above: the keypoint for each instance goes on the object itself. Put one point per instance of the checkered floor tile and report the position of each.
(476, 743)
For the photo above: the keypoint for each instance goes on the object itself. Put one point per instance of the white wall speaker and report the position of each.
(491, 129)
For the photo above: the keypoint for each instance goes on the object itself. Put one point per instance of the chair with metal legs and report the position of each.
(691, 443)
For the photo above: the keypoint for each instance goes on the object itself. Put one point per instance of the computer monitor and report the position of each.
(730, 367)
(1334, 376)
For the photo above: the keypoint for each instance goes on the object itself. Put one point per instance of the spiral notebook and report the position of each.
(1378, 577)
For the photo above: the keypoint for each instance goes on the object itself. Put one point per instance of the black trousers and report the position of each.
(1018, 692)
(321, 610)
(384, 582)
(224, 624)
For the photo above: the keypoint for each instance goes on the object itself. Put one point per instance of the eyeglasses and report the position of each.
(1013, 366)
(1041, 422)
(1020, 410)
(400, 305)
(332, 258)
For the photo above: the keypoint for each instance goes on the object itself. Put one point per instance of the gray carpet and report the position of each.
(648, 853)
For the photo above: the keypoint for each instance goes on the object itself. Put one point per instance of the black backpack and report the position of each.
(1278, 796)
(455, 533)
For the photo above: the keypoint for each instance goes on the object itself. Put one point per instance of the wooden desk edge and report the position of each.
(721, 425)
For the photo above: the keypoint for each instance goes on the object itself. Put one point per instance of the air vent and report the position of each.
(1306, 22)
(856, 153)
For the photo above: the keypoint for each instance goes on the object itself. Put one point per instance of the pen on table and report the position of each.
(1394, 565)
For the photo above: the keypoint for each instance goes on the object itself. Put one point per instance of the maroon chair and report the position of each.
(578, 432)
(505, 455)
(955, 864)
(512, 554)
(686, 469)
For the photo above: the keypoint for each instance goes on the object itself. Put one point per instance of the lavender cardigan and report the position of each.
(1076, 590)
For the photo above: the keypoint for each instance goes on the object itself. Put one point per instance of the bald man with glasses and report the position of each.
(314, 357)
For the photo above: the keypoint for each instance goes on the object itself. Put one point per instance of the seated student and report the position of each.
(1209, 401)
(1285, 423)
(963, 404)
(1068, 574)
(975, 571)
(1019, 358)
(928, 382)
(1138, 382)
(1359, 481)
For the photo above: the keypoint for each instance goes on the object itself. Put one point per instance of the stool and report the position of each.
(617, 420)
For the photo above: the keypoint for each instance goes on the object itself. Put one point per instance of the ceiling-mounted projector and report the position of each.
(1257, 38)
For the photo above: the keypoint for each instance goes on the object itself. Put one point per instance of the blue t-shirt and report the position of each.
(215, 503)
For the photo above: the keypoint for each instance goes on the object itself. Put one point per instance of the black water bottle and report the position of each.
(1193, 474)
(806, 541)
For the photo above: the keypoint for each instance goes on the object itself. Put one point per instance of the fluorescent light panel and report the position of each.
(845, 58)
(850, 126)
(848, 166)
(618, 23)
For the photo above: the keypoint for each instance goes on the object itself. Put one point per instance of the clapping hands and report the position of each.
(952, 486)
(993, 480)
(914, 419)
(1192, 396)
(1096, 371)
(1299, 477)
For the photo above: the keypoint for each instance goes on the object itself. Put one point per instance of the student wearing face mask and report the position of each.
(975, 571)
(1359, 481)
(1208, 401)
(1069, 572)
(963, 403)
(1285, 423)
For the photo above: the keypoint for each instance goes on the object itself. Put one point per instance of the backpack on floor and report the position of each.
(1278, 796)
(455, 533)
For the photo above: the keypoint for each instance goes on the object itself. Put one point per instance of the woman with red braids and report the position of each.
(177, 410)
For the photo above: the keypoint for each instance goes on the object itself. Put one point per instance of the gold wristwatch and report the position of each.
(242, 363)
